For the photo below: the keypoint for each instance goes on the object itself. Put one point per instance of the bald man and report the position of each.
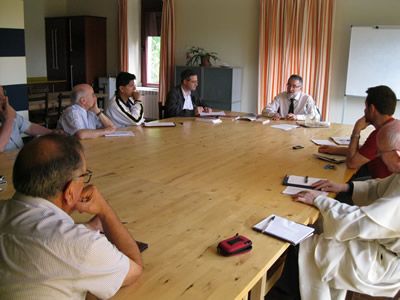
(13, 125)
(84, 119)
(44, 254)
(359, 249)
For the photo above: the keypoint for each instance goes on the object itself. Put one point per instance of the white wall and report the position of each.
(229, 28)
(360, 13)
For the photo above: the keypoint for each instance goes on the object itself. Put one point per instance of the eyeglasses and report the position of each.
(86, 176)
(380, 153)
(293, 86)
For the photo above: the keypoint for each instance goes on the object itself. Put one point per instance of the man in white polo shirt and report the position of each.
(44, 254)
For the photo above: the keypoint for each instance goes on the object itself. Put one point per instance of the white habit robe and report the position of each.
(359, 248)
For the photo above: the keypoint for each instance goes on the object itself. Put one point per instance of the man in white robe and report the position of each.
(359, 249)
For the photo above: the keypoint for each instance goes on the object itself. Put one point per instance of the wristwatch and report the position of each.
(99, 113)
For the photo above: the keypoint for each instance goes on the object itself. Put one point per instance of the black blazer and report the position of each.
(175, 101)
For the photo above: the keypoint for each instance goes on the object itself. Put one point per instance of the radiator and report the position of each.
(150, 102)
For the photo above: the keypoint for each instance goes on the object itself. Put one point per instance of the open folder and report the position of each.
(284, 229)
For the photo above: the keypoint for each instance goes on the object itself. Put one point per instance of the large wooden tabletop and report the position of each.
(185, 188)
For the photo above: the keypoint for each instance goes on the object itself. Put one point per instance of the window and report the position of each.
(153, 60)
(151, 31)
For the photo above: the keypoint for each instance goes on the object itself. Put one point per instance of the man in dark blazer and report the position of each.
(183, 100)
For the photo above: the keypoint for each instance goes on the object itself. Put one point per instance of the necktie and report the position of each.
(291, 106)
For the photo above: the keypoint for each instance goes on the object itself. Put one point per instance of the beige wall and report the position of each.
(35, 40)
(229, 28)
(360, 13)
(134, 38)
(37, 10)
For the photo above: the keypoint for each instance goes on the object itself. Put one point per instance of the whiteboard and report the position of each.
(374, 59)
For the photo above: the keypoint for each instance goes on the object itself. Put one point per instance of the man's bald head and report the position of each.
(45, 165)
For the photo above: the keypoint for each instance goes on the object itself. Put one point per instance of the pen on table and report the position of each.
(268, 223)
(306, 179)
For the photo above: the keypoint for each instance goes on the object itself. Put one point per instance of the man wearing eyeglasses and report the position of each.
(183, 100)
(292, 104)
(44, 254)
(13, 125)
(359, 249)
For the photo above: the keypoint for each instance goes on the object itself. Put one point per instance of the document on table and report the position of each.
(120, 133)
(292, 190)
(284, 229)
(300, 181)
(159, 124)
(323, 142)
(209, 120)
(212, 114)
(285, 127)
(341, 140)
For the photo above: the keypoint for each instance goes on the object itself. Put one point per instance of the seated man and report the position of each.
(292, 104)
(44, 253)
(125, 109)
(12, 125)
(380, 105)
(182, 100)
(359, 249)
(84, 118)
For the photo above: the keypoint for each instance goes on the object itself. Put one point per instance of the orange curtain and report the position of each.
(295, 38)
(167, 59)
(123, 34)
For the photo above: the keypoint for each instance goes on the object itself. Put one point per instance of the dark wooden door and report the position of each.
(56, 48)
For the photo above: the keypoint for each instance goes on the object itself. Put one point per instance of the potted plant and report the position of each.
(196, 56)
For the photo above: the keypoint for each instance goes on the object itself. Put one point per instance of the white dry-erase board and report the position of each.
(374, 59)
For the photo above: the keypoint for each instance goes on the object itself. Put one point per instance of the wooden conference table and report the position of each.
(185, 188)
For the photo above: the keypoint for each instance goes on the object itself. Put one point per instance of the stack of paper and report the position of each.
(323, 142)
(292, 190)
(159, 124)
(120, 133)
(285, 127)
(341, 140)
(284, 229)
(212, 114)
(209, 120)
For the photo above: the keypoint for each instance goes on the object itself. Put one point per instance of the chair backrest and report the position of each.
(161, 110)
(64, 99)
(38, 108)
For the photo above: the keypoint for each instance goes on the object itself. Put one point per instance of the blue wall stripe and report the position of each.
(12, 42)
(17, 96)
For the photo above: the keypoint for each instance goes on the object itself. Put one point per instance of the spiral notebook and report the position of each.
(284, 229)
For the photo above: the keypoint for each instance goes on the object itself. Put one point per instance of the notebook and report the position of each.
(336, 159)
(323, 142)
(284, 229)
(300, 181)
(341, 140)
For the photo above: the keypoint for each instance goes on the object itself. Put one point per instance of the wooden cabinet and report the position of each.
(76, 49)
(219, 87)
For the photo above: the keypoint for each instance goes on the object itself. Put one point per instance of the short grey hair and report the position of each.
(45, 165)
(77, 94)
(389, 134)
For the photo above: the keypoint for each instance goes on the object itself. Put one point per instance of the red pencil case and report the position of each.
(237, 244)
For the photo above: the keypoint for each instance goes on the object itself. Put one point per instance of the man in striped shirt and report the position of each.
(126, 109)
